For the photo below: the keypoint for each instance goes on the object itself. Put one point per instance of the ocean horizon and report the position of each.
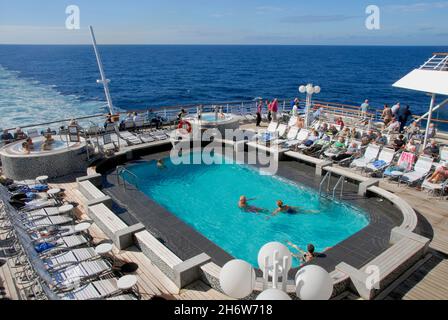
(49, 82)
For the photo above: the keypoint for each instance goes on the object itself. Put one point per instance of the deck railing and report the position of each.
(169, 113)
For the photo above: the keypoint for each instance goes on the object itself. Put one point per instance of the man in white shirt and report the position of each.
(396, 108)
(295, 111)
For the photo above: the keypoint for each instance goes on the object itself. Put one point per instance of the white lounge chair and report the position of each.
(96, 290)
(421, 170)
(65, 243)
(434, 188)
(79, 274)
(130, 138)
(291, 136)
(67, 258)
(370, 155)
(384, 160)
(45, 222)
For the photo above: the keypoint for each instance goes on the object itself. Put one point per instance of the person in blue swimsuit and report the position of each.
(282, 208)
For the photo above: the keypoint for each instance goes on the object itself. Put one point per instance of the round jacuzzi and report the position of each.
(218, 121)
(59, 158)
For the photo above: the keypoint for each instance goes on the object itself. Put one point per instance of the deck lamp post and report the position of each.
(309, 89)
(237, 278)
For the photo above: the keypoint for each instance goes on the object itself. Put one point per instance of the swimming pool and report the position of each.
(206, 197)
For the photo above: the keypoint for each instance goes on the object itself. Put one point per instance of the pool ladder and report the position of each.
(122, 181)
(327, 179)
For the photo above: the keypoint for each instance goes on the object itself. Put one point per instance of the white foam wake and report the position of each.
(24, 101)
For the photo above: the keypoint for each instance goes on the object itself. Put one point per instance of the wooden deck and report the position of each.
(151, 280)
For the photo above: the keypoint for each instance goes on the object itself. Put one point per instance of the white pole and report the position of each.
(433, 101)
(103, 80)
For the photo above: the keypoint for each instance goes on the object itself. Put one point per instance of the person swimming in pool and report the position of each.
(244, 205)
(282, 208)
(160, 164)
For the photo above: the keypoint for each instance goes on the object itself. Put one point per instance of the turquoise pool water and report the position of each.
(206, 197)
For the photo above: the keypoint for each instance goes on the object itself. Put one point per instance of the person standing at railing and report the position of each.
(269, 104)
(395, 108)
(295, 109)
(387, 115)
(364, 108)
(259, 111)
(6, 137)
(274, 109)
(403, 117)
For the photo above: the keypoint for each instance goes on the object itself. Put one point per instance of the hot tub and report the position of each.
(63, 158)
(211, 120)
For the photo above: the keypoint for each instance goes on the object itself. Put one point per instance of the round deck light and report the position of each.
(302, 89)
(313, 283)
(237, 279)
(268, 251)
(317, 89)
(309, 89)
(273, 294)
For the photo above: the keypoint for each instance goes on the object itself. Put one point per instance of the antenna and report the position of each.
(104, 81)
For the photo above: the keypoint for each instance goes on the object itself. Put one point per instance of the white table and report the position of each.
(52, 193)
(83, 226)
(104, 248)
(66, 209)
(127, 282)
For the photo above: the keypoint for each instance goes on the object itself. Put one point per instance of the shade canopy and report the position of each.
(430, 81)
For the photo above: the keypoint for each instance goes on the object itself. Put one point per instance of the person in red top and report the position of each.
(340, 122)
(274, 109)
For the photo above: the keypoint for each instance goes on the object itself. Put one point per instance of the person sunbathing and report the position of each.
(244, 205)
(440, 175)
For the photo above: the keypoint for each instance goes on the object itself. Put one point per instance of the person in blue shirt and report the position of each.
(7, 137)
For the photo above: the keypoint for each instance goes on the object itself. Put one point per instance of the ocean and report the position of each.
(42, 83)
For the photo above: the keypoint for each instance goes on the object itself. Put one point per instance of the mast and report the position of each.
(104, 81)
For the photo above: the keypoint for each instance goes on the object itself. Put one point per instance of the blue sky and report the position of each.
(420, 22)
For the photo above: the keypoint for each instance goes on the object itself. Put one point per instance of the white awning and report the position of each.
(430, 81)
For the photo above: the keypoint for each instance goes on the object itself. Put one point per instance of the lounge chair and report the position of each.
(405, 164)
(54, 262)
(146, 137)
(434, 188)
(290, 137)
(130, 138)
(45, 222)
(79, 274)
(63, 244)
(421, 170)
(100, 289)
(384, 160)
(370, 155)
(56, 232)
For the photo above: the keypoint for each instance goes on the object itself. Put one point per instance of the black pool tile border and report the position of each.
(186, 242)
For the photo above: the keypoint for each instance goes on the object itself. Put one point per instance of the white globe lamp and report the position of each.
(313, 283)
(273, 294)
(237, 279)
(317, 89)
(268, 251)
(302, 89)
(309, 89)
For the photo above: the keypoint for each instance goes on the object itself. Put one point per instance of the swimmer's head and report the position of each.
(243, 199)
(310, 248)
(280, 203)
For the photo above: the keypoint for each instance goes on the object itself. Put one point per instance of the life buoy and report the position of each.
(182, 125)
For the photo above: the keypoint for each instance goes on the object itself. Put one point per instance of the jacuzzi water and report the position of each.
(206, 197)
(211, 117)
(56, 145)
